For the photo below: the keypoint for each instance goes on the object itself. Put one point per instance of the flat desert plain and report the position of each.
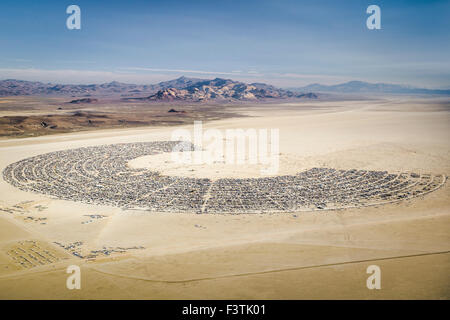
(317, 254)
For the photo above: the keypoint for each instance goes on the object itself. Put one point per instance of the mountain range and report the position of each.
(197, 90)
(180, 89)
(366, 87)
(12, 87)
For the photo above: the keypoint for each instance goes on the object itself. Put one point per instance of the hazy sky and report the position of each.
(286, 43)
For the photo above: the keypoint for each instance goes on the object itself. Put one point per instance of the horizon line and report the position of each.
(406, 86)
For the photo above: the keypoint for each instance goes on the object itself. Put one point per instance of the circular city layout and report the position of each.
(101, 175)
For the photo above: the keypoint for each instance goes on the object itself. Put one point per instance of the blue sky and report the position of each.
(286, 43)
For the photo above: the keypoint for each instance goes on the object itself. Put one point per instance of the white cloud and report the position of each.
(68, 76)
(178, 70)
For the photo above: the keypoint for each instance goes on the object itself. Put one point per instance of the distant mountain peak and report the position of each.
(357, 86)
(220, 89)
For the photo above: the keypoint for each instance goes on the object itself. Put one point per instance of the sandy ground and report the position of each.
(307, 255)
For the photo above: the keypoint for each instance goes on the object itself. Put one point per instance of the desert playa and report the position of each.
(309, 254)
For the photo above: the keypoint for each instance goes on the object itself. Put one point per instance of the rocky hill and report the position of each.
(223, 90)
(84, 100)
